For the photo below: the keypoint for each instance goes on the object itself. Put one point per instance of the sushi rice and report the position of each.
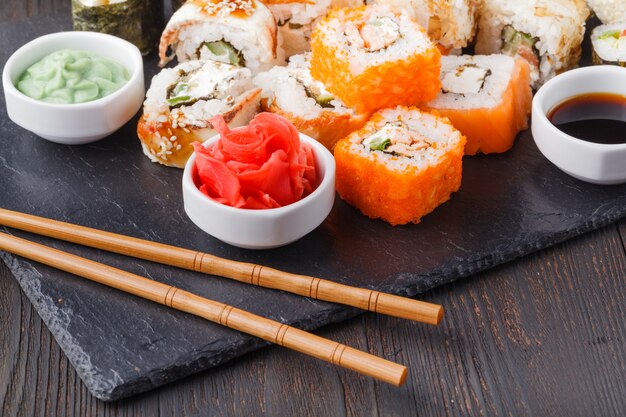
(609, 11)
(181, 101)
(238, 32)
(401, 165)
(547, 33)
(609, 44)
(372, 58)
(295, 20)
(292, 92)
(452, 24)
(488, 98)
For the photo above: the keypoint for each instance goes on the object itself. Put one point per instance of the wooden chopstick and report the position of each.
(272, 331)
(307, 286)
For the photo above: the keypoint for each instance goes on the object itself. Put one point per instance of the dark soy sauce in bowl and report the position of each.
(594, 117)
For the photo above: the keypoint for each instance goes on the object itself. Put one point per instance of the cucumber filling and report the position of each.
(515, 42)
(396, 139)
(314, 89)
(610, 34)
(194, 86)
(221, 51)
(320, 97)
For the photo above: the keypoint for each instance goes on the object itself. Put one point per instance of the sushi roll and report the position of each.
(371, 58)
(137, 21)
(488, 98)
(292, 93)
(181, 101)
(547, 33)
(346, 3)
(609, 44)
(400, 166)
(295, 20)
(236, 32)
(608, 11)
(452, 24)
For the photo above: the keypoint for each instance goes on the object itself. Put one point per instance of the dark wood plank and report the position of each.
(543, 335)
(15, 10)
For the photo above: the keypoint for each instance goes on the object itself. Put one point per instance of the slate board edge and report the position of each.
(107, 392)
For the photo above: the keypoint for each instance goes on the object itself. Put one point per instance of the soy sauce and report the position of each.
(595, 117)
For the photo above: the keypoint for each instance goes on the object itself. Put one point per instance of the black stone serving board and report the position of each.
(509, 205)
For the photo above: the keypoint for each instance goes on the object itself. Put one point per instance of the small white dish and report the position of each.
(74, 124)
(263, 229)
(591, 162)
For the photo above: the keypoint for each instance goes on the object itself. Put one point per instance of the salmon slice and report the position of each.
(493, 129)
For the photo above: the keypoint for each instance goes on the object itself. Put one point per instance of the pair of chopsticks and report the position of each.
(214, 311)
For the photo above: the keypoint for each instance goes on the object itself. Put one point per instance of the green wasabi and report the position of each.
(70, 76)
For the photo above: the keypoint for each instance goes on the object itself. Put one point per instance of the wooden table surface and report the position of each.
(544, 335)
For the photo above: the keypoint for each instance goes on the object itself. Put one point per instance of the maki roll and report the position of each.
(237, 32)
(546, 33)
(609, 11)
(488, 98)
(346, 3)
(452, 24)
(371, 58)
(400, 166)
(609, 44)
(295, 19)
(182, 100)
(292, 93)
(137, 21)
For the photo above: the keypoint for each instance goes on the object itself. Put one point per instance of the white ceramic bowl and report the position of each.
(263, 229)
(587, 161)
(79, 123)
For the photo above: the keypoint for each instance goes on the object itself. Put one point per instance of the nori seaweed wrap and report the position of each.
(138, 21)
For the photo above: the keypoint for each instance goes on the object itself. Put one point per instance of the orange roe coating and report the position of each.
(398, 197)
(493, 130)
(410, 81)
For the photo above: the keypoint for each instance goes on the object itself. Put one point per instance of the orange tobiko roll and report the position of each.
(372, 58)
(401, 165)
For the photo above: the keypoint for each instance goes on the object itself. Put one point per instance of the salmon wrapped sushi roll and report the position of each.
(236, 32)
(488, 98)
(401, 165)
(372, 58)
(182, 100)
(292, 93)
(452, 24)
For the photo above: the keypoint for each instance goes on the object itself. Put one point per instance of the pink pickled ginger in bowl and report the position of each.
(260, 166)
(259, 186)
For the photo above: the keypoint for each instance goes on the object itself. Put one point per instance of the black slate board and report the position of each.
(509, 205)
